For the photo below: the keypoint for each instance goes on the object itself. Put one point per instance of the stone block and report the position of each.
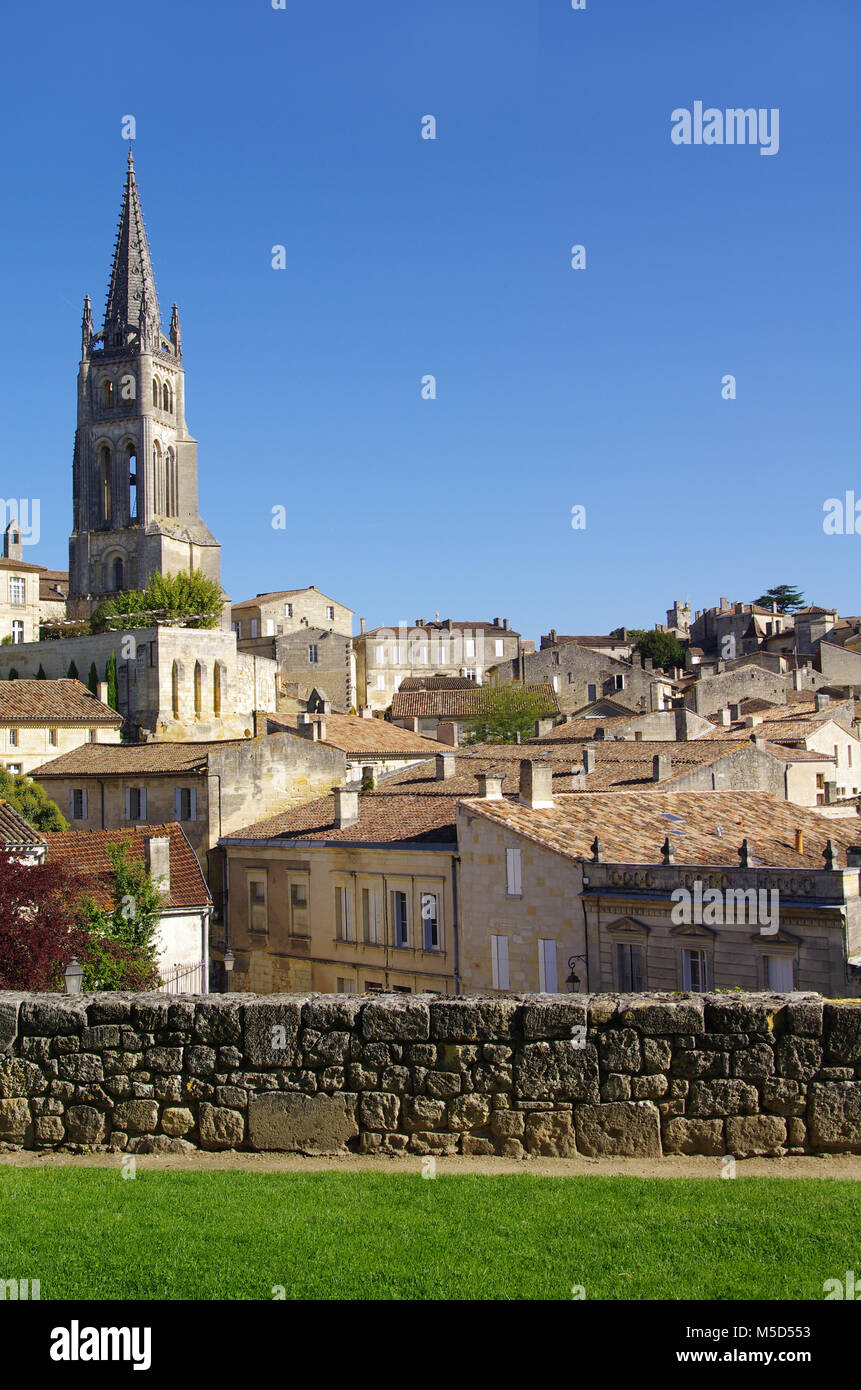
(220, 1128)
(652, 1087)
(136, 1116)
(507, 1124)
(742, 1014)
(684, 1136)
(798, 1058)
(657, 1054)
(557, 1071)
(834, 1116)
(14, 1121)
(475, 1020)
(664, 1017)
(782, 1097)
(176, 1121)
(165, 1060)
(616, 1087)
(85, 1125)
(396, 1019)
(218, 1022)
(469, 1112)
(9, 1007)
(428, 1142)
(379, 1110)
(626, 1129)
(290, 1122)
(472, 1146)
(49, 1019)
(442, 1085)
(48, 1129)
(272, 1032)
(717, 1099)
(750, 1135)
(545, 1020)
(331, 1013)
(419, 1113)
(80, 1066)
(841, 1032)
(754, 1063)
(804, 1015)
(619, 1049)
(551, 1134)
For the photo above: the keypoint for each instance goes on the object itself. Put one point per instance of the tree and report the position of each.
(121, 951)
(40, 674)
(31, 801)
(189, 598)
(111, 678)
(93, 679)
(13, 674)
(506, 711)
(786, 596)
(664, 649)
(72, 672)
(38, 933)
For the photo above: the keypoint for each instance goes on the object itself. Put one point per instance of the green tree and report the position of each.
(72, 672)
(664, 649)
(506, 711)
(93, 679)
(31, 801)
(111, 678)
(786, 596)
(189, 598)
(13, 674)
(123, 951)
(40, 674)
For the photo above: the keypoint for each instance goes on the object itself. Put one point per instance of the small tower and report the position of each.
(12, 544)
(135, 465)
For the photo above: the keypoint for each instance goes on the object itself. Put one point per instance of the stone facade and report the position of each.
(19, 604)
(290, 611)
(580, 676)
(387, 656)
(546, 1075)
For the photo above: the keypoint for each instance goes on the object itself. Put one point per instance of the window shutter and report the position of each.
(143, 803)
(84, 811)
(72, 804)
(512, 872)
(177, 803)
(194, 803)
(128, 803)
(499, 946)
(547, 978)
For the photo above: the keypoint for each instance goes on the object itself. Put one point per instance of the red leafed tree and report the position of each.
(38, 934)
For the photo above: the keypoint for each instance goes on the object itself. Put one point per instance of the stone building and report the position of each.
(290, 611)
(824, 727)
(385, 657)
(19, 591)
(581, 675)
(135, 463)
(443, 707)
(546, 880)
(44, 719)
(373, 747)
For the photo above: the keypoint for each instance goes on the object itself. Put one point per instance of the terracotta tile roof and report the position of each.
(130, 759)
(781, 725)
(449, 624)
(286, 593)
(18, 565)
(703, 827)
(47, 702)
(548, 640)
(585, 730)
(461, 704)
(354, 735)
(15, 832)
(437, 683)
(84, 850)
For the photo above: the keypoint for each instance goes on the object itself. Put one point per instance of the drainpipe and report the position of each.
(455, 925)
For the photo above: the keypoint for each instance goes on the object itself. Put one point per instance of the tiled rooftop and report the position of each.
(84, 851)
(15, 832)
(354, 735)
(461, 704)
(53, 702)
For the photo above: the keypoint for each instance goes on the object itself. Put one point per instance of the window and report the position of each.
(396, 655)
(258, 911)
(423, 655)
(555, 682)
(570, 677)
(255, 627)
(17, 631)
(498, 647)
(430, 921)
(343, 913)
(849, 753)
(779, 974)
(400, 918)
(165, 397)
(174, 690)
(269, 627)
(629, 967)
(92, 736)
(469, 648)
(155, 394)
(695, 971)
(512, 873)
(345, 984)
(312, 654)
(17, 590)
(548, 982)
(330, 613)
(52, 738)
(119, 576)
(216, 688)
(105, 469)
(381, 682)
(13, 767)
(13, 738)
(185, 803)
(107, 394)
(136, 803)
(198, 688)
(373, 987)
(619, 682)
(381, 654)
(298, 906)
(555, 656)
(78, 803)
(499, 961)
(371, 924)
(592, 693)
(288, 610)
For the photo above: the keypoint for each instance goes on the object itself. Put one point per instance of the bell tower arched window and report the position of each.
(198, 688)
(107, 394)
(158, 479)
(119, 575)
(105, 482)
(156, 394)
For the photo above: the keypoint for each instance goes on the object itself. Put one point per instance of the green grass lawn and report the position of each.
(90, 1233)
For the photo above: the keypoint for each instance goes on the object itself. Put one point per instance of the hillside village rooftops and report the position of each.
(53, 702)
(782, 725)
(85, 852)
(410, 683)
(368, 737)
(15, 832)
(467, 703)
(703, 827)
(134, 759)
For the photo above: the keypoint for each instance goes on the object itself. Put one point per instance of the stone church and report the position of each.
(135, 465)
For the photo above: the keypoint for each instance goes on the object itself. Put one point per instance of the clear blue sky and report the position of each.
(405, 257)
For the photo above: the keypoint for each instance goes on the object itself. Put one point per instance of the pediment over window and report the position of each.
(628, 926)
(694, 929)
(781, 937)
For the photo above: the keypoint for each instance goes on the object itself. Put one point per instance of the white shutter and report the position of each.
(512, 873)
(547, 978)
(499, 961)
(780, 974)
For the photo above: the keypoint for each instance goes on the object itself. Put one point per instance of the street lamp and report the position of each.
(229, 960)
(73, 976)
(573, 979)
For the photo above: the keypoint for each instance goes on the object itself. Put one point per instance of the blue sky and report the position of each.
(408, 257)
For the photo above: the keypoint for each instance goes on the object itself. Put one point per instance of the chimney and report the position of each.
(681, 723)
(361, 626)
(578, 778)
(758, 740)
(774, 606)
(552, 636)
(799, 842)
(496, 622)
(346, 806)
(446, 732)
(830, 793)
(853, 857)
(536, 785)
(444, 766)
(543, 726)
(648, 663)
(505, 623)
(734, 712)
(102, 692)
(588, 759)
(490, 786)
(726, 717)
(822, 701)
(752, 720)
(157, 859)
(662, 766)
(724, 603)
(366, 712)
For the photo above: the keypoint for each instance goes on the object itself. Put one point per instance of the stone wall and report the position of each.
(537, 1075)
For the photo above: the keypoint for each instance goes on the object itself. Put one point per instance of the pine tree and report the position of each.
(40, 674)
(111, 678)
(72, 672)
(93, 679)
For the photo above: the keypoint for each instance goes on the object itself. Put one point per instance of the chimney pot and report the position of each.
(157, 860)
(588, 759)
(346, 806)
(726, 717)
(490, 786)
(444, 766)
(536, 785)
(361, 625)
(799, 841)
(661, 767)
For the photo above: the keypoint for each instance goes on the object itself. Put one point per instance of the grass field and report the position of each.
(89, 1233)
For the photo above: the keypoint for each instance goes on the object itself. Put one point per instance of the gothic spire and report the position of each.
(86, 327)
(132, 293)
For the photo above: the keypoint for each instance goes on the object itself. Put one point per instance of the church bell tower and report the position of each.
(135, 464)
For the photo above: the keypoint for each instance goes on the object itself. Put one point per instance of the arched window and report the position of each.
(156, 394)
(171, 505)
(158, 479)
(107, 394)
(166, 397)
(216, 688)
(119, 575)
(132, 467)
(105, 480)
(174, 690)
(198, 688)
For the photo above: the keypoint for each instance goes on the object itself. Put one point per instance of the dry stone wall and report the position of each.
(558, 1075)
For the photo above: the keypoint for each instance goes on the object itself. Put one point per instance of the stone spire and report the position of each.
(175, 334)
(86, 327)
(132, 299)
